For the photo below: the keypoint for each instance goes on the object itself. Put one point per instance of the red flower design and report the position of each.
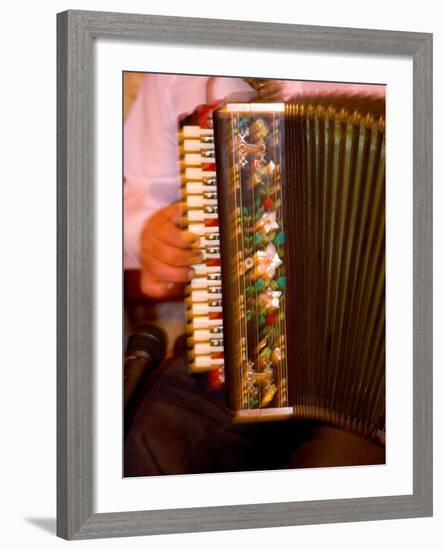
(268, 203)
(270, 319)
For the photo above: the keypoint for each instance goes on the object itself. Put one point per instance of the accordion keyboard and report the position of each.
(204, 292)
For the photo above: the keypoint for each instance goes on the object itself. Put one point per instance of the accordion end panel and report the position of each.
(249, 156)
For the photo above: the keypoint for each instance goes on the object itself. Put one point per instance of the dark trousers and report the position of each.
(180, 427)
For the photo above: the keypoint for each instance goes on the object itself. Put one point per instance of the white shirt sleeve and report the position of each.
(151, 155)
(151, 170)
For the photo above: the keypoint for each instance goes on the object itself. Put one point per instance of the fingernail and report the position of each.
(190, 273)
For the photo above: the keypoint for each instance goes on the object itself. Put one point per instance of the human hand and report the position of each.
(270, 90)
(166, 253)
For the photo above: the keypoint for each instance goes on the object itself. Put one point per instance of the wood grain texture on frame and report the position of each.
(76, 32)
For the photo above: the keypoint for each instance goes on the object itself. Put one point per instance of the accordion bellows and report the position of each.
(301, 213)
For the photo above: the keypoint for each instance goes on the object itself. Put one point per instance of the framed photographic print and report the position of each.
(244, 274)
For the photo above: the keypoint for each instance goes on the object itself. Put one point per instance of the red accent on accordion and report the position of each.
(205, 114)
(213, 262)
(214, 379)
(212, 316)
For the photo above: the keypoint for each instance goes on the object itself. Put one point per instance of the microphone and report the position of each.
(145, 351)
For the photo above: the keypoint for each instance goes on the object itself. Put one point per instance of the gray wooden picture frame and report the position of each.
(76, 32)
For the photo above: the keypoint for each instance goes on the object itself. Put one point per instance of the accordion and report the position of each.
(288, 304)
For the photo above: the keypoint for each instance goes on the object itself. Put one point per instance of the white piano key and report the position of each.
(195, 215)
(206, 337)
(204, 296)
(196, 145)
(206, 349)
(196, 131)
(197, 228)
(199, 282)
(202, 360)
(196, 173)
(199, 296)
(196, 201)
(203, 283)
(197, 188)
(205, 362)
(203, 269)
(198, 290)
(198, 215)
(194, 159)
(204, 309)
(205, 322)
(201, 335)
(201, 229)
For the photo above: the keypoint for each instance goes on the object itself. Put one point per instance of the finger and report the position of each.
(167, 273)
(273, 90)
(154, 288)
(175, 214)
(168, 232)
(172, 255)
(172, 212)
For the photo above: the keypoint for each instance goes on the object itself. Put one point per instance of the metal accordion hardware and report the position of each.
(292, 197)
